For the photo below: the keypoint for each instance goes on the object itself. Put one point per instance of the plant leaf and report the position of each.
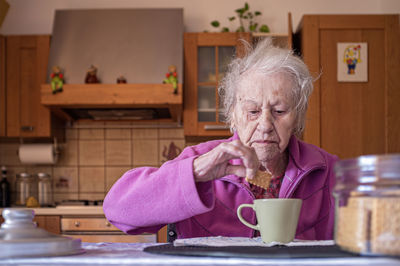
(240, 11)
(264, 28)
(257, 13)
(253, 27)
(215, 23)
(231, 18)
(225, 29)
(246, 6)
(240, 29)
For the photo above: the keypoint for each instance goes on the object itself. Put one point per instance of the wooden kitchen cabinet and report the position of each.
(2, 86)
(26, 69)
(50, 223)
(353, 118)
(98, 229)
(206, 57)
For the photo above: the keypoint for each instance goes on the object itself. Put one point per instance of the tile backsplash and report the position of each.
(92, 159)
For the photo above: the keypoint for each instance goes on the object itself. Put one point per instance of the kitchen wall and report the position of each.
(93, 159)
(36, 16)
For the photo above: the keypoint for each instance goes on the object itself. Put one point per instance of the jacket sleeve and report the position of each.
(147, 198)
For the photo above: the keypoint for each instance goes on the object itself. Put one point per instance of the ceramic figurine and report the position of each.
(57, 80)
(91, 75)
(121, 79)
(172, 78)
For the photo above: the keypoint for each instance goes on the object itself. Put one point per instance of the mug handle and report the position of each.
(239, 214)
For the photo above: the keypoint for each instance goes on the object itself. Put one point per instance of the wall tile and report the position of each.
(169, 149)
(91, 179)
(145, 152)
(68, 153)
(113, 174)
(91, 152)
(34, 170)
(144, 133)
(91, 133)
(91, 196)
(118, 152)
(65, 179)
(9, 154)
(171, 133)
(59, 197)
(118, 133)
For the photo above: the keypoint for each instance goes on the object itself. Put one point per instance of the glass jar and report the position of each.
(26, 189)
(45, 191)
(367, 193)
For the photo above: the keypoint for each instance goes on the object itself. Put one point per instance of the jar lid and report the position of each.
(43, 175)
(23, 175)
(19, 237)
(369, 169)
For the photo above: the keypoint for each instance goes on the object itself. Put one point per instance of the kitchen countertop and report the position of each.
(69, 210)
(133, 254)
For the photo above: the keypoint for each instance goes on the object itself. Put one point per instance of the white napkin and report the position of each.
(222, 241)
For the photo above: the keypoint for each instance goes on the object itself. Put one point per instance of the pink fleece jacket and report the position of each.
(147, 198)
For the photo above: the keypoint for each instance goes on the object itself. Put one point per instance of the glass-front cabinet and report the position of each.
(207, 56)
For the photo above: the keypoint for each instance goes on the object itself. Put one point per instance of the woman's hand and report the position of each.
(215, 163)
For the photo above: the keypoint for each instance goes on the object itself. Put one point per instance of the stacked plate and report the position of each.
(19, 237)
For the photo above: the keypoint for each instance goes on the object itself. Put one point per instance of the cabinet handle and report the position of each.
(108, 224)
(216, 127)
(77, 223)
(27, 128)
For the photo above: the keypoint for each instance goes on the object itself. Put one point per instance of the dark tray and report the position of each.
(274, 252)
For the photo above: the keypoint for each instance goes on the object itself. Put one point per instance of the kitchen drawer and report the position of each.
(86, 224)
(96, 238)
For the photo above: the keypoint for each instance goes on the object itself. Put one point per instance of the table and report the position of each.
(133, 254)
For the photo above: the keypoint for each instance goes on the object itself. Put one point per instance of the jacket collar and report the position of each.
(303, 156)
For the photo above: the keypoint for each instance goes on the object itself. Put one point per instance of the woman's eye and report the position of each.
(253, 112)
(279, 112)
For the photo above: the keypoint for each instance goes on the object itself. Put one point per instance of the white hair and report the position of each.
(267, 59)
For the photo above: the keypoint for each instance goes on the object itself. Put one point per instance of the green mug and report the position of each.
(277, 218)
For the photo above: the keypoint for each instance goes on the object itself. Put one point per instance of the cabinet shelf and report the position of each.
(113, 96)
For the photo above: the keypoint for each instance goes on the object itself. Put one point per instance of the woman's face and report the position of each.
(264, 115)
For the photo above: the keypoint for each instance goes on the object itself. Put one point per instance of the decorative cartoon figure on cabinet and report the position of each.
(172, 78)
(57, 80)
(352, 56)
(91, 75)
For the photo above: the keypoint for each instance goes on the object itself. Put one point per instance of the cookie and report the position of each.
(262, 179)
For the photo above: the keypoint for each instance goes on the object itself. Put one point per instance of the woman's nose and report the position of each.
(266, 123)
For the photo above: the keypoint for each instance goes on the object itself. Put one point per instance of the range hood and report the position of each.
(138, 44)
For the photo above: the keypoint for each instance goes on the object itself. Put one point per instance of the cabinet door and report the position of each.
(26, 62)
(2, 87)
(353, 118)
(207, 56)
(50, 223)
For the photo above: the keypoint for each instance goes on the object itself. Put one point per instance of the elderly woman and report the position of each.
(265, 97)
